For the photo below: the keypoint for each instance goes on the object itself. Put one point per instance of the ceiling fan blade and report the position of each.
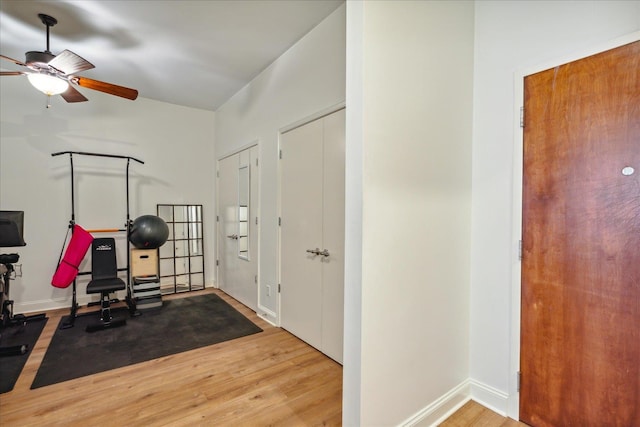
(15, 61)
(109, 88)
(70, 63)
(11, 73)
(72, 95)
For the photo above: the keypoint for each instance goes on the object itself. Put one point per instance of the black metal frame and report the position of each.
(131, 304)
(188, 240)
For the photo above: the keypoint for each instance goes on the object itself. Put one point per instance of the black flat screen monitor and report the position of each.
(11, 229)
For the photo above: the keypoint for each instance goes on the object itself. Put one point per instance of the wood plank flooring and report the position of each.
(269, 378)
(266, 379)
(474, 414)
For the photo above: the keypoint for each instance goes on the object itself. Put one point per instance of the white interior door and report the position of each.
(301, 232)
(227, 223)
(333, 235)
(312, 233)
(238, 180)
(246, 273)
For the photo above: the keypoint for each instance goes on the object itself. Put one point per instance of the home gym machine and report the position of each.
(11, 235)
(130, 300)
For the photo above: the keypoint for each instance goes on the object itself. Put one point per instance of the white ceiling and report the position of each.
(192, 53)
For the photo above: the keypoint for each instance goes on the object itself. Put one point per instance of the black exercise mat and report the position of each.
(180, 325)
(11, 366)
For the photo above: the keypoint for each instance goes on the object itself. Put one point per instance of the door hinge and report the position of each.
(280, 155)
(256, 162)
(217, 174)
(278, 287)
(518, 380)
(217, 218)
(522, 117)
(279, 221)
(255, 279)
(520, 250)
(217, 263)
(256, 220)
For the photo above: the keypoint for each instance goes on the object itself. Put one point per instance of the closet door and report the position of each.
(333, 235)
(312, 233)
(237, 226)
(227, 223)
(246, 274)
(301, 232)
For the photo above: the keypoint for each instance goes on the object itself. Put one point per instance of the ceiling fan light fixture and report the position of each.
(47, 84)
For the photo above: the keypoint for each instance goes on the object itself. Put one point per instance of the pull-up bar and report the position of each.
(84, 153)
(127, 229)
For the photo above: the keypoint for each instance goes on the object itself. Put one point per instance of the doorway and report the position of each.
(580, 310)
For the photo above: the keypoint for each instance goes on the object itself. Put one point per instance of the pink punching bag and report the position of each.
(68, 267)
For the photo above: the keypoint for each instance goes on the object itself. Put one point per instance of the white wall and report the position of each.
(510, 37)
(176, 144)
(415, 100)
(309, 77)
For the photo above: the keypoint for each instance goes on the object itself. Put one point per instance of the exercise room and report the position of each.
(319, 212)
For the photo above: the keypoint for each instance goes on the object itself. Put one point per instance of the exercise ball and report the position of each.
(148, 232)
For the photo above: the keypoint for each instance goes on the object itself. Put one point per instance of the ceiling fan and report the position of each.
(55, 74)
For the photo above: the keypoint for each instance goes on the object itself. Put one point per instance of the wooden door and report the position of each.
(580, 326)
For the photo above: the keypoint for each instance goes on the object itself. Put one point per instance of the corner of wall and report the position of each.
(442, 408)
(489, 397)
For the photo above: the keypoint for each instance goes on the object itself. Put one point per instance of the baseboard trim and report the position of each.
(442, 408)
(489, 397)
(267, 315)
(31, 307)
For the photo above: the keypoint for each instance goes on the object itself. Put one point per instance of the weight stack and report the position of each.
(146, 291)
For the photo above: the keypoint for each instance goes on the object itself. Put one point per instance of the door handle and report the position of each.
(317, 251)
(233, 236)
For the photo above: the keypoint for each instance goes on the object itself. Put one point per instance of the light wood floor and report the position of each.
(265, 379)
(269, 378)
(474, 414)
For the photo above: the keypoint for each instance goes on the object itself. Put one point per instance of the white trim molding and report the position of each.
(442, 408)
(267, 315)
(489, 397)
(315, 116)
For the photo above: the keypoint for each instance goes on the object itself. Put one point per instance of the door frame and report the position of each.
(291, 126)
(254, 143)
(513, 399)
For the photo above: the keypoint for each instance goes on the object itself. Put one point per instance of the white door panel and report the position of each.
(237, 274)
(227, 214)
(333, 235)
(246, 289)
(301, 230)
(312, 211)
